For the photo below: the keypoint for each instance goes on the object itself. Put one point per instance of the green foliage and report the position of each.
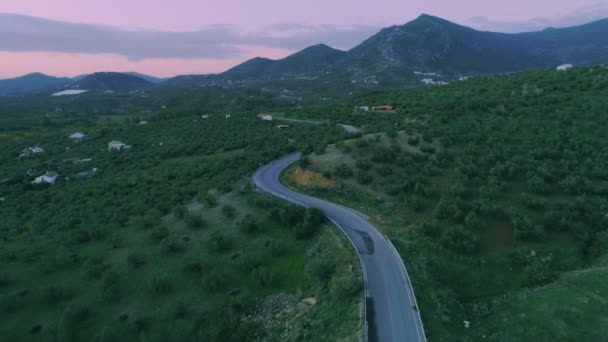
(53, 294)
(161, 284)
(345, 286)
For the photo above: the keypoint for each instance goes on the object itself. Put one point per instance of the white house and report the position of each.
(228, 116)
(28, 151)
(49, 177)
(362, 108)
(117, 146)
(565, 67)
(77, 136)
(265, 117)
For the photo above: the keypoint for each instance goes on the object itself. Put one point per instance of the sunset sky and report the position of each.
(166, 38)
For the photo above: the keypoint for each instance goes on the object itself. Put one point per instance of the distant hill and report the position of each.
(431, 45)
(30, 83)
(151, 79)
(310, 60)
(114, 81)
(427, 47)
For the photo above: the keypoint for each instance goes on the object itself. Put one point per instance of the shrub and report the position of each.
(364, 178)
(322, 269)
(170, 245)
(459, 240)
(192, 264)
(5, 280)
(220, 242)
(228, 211)
(249, 225)
(9, 303)
(344, 286)
(110, 287)
(216, 280)
(136, 260)
(262, 276)
(159, 233)
(343, 171)
(161, 284)
(363, 164)
(53, 294)
(194, 221)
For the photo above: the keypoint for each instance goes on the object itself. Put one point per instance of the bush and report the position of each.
(278, 249)
(228, 211)
(5, 280)
(9, 303)
(459, 240)
(70, 321)
(170, 245)
(216, 280)
(413, 140)
(159, 233)
(345, 286)
(95, 267)
(343, 171)
(250, 225)
(322, 269)
(310, 225)
(136, 260)
(220, 242)
(262, 276)
(364, 178)
(363, 164)
(194, 221)
(110, 287)
(161, 284)
(192, 264)
(53, 294)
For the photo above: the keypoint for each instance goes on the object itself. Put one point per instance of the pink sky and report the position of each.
(262, 17)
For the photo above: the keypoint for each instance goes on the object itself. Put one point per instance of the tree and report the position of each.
(228, 211)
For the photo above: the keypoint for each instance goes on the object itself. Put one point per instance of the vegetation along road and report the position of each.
(391, 310)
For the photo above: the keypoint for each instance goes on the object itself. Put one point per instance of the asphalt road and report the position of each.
(391, 309)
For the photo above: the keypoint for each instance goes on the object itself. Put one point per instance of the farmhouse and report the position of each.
(71, 160)
(26, 152)
(362, 108)
(565, 67)
(282, 126)
(382, 108)
(49, 177)
(118, 146)
(77, 136)
(265, 117)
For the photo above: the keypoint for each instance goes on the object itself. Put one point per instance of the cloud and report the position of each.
(19, 33)
(594, 11)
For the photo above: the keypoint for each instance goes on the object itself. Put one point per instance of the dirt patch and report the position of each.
(303, 177)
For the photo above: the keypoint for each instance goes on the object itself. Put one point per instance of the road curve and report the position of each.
(392, 313)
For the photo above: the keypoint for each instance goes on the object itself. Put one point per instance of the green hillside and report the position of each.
(494, 192)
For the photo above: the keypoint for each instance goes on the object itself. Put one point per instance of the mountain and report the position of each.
(432, 44)
(30, 83)
(151, 79)
(425, 47)
(113, 81)
(308, 61)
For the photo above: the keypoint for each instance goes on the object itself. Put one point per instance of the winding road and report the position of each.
(391, 309)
